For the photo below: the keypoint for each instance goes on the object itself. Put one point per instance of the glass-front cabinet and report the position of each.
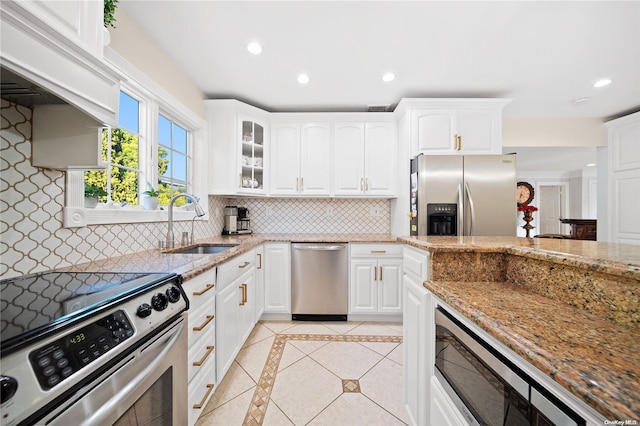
(251, 176)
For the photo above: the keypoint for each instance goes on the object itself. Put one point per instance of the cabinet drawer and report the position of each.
(200, 288)
(201, 321)
(201, 389)
(376, 250)
(415, 263)
(202, 354)
(229, 271)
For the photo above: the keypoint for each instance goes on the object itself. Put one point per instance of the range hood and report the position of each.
(63, 137)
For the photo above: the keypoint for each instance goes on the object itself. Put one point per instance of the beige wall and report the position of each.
(565, 132)
(130, 42)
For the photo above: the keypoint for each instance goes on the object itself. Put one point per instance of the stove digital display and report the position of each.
(60, 359)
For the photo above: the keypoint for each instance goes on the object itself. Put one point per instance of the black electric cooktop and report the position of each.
(33, 304)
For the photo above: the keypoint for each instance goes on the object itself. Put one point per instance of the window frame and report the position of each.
(154, 100)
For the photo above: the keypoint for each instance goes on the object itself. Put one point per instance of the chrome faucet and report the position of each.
(170, 241)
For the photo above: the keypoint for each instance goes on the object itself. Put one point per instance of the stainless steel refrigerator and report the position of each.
(463, 195)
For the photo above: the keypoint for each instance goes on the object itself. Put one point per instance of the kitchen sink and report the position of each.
(205, 249)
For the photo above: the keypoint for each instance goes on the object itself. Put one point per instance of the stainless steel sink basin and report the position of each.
(205, 249)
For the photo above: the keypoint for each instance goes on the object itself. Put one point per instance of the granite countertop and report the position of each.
(190, 265)
(570, 308)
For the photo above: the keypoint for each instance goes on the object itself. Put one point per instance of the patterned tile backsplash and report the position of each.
(32, 238)
(317, 215)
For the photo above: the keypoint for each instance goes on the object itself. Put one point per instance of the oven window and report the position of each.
(154, 406)
(491, 401)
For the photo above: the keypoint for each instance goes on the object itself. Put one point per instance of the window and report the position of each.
(121, 152)
(173, 160)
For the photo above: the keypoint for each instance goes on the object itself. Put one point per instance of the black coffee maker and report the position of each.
(244, 223)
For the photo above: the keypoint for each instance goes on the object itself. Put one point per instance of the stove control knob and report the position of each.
(173, 294)
(144, 310)
(159, 302)
(8, 388)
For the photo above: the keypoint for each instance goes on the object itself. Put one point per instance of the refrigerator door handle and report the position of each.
(460, 212)
(473, 213)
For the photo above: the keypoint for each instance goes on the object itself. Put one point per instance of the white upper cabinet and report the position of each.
(456, 126)
(238, 148)
(365, 156)
(300, 159)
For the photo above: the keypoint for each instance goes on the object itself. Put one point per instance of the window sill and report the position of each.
(75, 217)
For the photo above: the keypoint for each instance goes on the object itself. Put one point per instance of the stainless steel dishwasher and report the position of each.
(319, 282)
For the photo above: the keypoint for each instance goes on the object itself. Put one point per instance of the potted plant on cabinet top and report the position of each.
(150, 198)
(91, 194)
(109, 19)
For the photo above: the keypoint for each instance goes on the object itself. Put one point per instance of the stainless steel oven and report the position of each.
(486, 387)
(94, 349)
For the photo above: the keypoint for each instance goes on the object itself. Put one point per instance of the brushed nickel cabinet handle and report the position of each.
(244, 265)
(206, 289)
(259, 260)
(206, 395)
(204, 324)
(204, 358)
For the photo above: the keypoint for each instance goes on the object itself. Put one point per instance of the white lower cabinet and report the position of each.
(418, 331)
(201, 320)
(236, 317)
(235, 307)
(277, 280)
(375, 279)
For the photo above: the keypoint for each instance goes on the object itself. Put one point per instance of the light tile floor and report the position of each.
(313, 373)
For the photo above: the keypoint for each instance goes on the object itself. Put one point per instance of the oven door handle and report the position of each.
(123, 397)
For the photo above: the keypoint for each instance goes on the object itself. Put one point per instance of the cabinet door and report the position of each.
(245, 286)
(259, 282)
(251, 160)
(415, 334)
(443, 410)
(434, 130)
(277, 278)
(315, 159)
(390, 285)
(480, 131)
(226, 329)
(363, 286)
(285, 158)
(348, 158)
(380, 159)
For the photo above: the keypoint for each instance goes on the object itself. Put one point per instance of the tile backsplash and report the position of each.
(32, 237)
(317, 215)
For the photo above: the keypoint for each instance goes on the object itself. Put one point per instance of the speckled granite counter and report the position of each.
(570, 308)
(190, 265)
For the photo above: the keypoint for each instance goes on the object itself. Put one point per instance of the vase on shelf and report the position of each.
(528, 218)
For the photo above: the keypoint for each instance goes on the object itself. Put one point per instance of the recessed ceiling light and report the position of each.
(388, 77)
(602, 83)
(254, 48)
(591, 164)
(303, 79)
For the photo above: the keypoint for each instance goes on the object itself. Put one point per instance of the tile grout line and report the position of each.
(262, 394)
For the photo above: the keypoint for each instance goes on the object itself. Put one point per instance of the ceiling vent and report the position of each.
(378, 108)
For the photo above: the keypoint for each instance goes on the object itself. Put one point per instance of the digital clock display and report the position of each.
(80, 337)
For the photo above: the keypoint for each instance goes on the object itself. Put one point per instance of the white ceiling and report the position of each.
(542, 54)
(552, 159)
